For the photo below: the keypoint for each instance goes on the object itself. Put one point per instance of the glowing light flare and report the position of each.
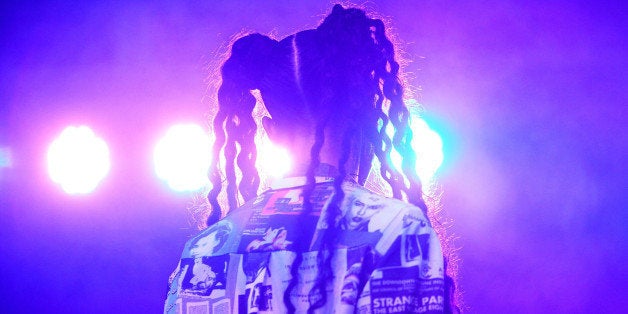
(182, 157)
(275, 160)
(78, 160)
(427, 145)
(5, 157)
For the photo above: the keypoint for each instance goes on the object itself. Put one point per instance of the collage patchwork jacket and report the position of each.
(387, 256)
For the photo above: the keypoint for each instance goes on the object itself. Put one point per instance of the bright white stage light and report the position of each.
(275, 160)
(78, 160)
(182, 157)
(427, 145)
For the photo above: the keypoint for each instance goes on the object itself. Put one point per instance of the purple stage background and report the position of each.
(530, 97)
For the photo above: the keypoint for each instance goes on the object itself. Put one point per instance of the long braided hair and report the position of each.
(340, 77)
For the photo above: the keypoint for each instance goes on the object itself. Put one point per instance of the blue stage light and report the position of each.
(427, 145)
(5, 157)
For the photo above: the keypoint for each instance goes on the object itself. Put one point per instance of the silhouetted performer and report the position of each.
(337, 248)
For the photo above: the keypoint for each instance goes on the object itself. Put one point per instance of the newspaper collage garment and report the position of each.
(387, 258)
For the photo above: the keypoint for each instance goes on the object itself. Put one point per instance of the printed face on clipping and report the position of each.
(362, 208)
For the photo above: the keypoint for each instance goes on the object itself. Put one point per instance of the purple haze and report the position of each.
(531, 97)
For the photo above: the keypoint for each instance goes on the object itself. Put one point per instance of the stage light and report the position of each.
(182, 157)
(5, 157)
(427, 145)
(78, 160)
(275, 160)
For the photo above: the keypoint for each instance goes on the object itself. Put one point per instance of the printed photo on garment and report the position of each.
(258, 295)
(358, 208)
(215, 240)
(352, 281)
(400, 290)
(304, 294)
(277, 232)
(204, 276)
(289, 201)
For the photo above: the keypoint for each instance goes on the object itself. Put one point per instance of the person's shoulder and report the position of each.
(394, 211)
(352, 188)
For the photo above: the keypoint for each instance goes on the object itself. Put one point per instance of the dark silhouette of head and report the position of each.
(336, 85)
(331, 92)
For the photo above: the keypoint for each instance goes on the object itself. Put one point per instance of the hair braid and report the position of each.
(366, 158)
(399, 116)
(249, 182)
(380, 138)
(214, 169)
(230, 154)
(234, 125)
(402, 139)
(326, 253)
(307, 209)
